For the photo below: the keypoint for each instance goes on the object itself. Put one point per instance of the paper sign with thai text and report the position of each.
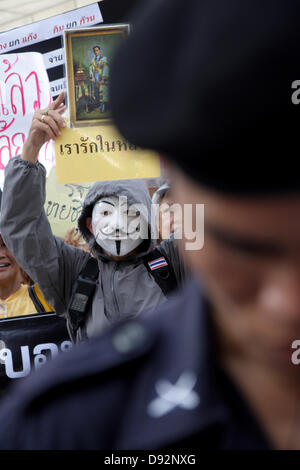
(63, 203)
(24, 88)
(99, 153)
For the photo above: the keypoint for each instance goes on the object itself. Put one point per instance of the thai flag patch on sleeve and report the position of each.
(157, 263)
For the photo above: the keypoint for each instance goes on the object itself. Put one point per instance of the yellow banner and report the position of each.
(99, 153)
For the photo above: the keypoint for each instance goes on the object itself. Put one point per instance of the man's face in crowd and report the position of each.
(250, 266)
(9, 268)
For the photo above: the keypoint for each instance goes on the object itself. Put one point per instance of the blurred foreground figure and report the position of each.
(212, 368)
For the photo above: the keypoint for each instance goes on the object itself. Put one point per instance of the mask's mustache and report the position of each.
(117, 234)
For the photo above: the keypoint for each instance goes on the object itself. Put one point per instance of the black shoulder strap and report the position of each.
(83, 292)
(91, 269)
(35, 300)
(159, 267)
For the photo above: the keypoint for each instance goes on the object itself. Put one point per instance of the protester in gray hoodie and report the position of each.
(125, 286)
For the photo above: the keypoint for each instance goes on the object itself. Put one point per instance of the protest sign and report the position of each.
(45, 36)
(63, 203)
(90, 148)
(47, 67)
(89, 54)
(100, 154)
(27, 342)
(24, 88)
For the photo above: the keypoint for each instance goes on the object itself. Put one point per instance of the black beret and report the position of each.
(208, 83)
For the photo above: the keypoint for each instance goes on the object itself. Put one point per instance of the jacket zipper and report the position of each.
(116, 267)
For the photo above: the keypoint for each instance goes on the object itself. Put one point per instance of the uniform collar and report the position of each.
(176, 394)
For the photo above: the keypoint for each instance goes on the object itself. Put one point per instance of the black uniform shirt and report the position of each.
(152, 382)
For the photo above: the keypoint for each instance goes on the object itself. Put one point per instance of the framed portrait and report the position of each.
(89, 53)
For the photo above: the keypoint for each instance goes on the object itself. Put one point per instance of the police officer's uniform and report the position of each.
(150, 383)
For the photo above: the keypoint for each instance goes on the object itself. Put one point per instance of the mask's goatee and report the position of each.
(118, 246)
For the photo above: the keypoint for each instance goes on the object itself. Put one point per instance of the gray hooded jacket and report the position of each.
(123, 289)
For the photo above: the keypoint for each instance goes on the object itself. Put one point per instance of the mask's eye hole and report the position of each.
(133, 213)
(105, 213)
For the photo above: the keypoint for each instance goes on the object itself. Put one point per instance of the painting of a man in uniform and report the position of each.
(99, 74)
(89, 53)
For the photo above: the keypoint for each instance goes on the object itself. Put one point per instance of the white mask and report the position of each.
(117, 228)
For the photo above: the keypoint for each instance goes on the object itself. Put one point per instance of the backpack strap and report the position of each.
(83, 292)
(162, 271)
(35, 300)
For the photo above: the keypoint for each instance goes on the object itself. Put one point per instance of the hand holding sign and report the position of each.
(46, 124)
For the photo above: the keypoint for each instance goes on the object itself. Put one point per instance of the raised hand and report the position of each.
(75, 240)
(46, 125)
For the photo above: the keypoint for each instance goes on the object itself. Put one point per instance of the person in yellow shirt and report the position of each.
(18, 294)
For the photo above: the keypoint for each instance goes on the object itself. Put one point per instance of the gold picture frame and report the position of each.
(89, 52)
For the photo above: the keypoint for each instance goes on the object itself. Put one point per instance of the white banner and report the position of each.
(24, 87)
(49, 28)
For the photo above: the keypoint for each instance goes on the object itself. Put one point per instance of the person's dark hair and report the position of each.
(241, 140)
(97, 47)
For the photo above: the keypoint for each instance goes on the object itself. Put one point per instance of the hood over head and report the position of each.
(160, 193)
(136, 192)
